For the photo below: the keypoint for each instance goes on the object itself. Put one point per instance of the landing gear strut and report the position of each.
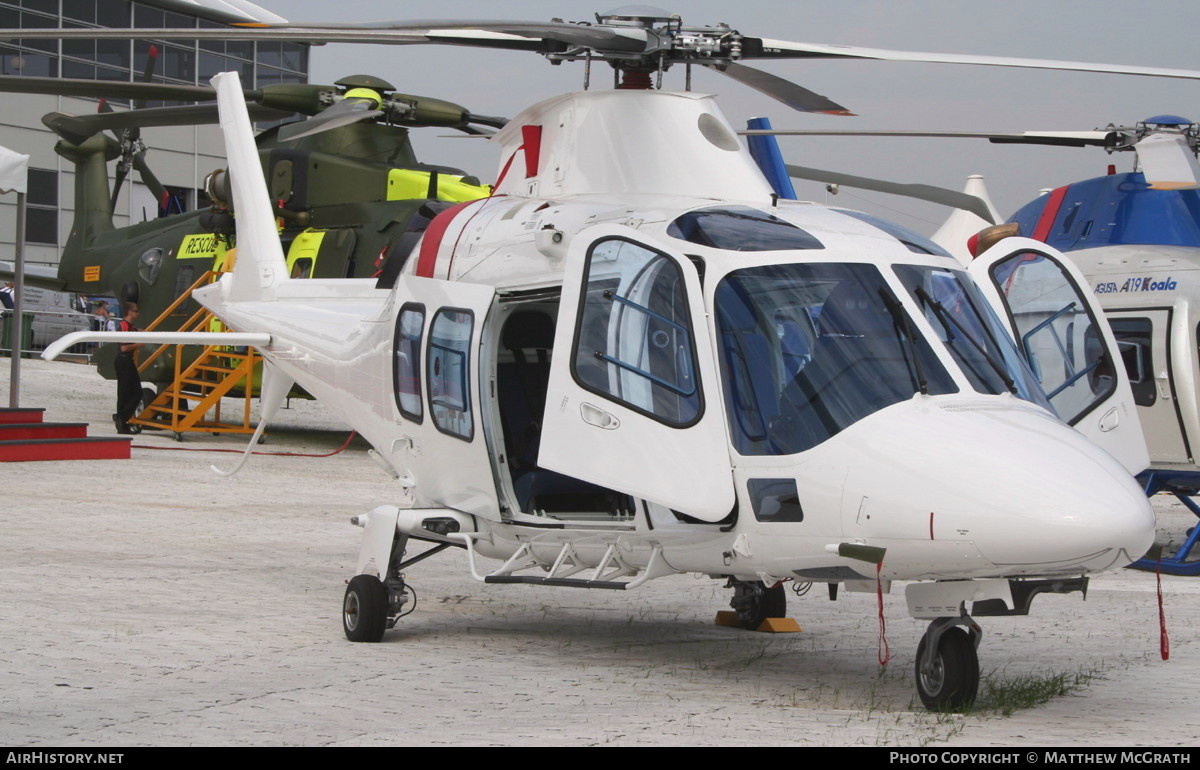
(371, 606)
(947, 665)
(754, 602)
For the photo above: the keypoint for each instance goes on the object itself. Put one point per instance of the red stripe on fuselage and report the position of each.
(1049, 214)
(432, 242)
(532, 142)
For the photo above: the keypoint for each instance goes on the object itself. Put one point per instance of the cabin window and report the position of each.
(633, 343)
(1134, 337)
(807, 350)
(1056, 333)
(448, 376)
(740, 228)
(966, 325)
(406, 370)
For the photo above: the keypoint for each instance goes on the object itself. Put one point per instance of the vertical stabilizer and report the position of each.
(961, 225)
(260, 261)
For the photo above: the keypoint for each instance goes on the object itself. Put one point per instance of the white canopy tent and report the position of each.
(14, 171)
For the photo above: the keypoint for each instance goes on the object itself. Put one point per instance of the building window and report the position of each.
(41, 207)
(33, 58)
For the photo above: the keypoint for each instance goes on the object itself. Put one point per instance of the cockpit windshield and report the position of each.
(809, 349)
(965, 323)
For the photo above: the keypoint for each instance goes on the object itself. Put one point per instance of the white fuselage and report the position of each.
(676, 388)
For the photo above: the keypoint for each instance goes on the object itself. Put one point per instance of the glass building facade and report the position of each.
(179, 62)
(189, 63)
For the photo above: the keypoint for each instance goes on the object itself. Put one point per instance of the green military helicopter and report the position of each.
(350, 195)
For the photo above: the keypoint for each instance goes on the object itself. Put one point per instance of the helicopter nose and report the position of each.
(1032, 495)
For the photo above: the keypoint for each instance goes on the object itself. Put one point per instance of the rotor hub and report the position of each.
(639, 16)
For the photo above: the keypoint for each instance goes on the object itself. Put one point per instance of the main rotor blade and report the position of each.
(149, 179)
(1059, 138)
(77, 128)
(343, 113)
(489, 32)
(924, 192)
(784, 49)
(473, 132)
(99, 89)
(546, 36)
(780, 89)
(509, 35)
(487, 120)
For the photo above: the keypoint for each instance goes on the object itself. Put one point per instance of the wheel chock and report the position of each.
(770, 625)
(780, 626)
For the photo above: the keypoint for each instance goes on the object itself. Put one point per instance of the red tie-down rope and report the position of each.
(884, 649)
(1164, 643)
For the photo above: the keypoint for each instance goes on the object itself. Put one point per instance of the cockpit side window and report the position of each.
(1056, 333)
(634, 339)
(809, 349)
(966, 325)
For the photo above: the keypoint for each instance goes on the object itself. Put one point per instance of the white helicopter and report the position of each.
(635, 361)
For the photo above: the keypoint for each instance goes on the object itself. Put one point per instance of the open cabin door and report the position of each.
(435, 377)
(633, 403)
(1147, 337)
(1060, 329)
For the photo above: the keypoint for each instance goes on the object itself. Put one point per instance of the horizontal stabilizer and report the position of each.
(233, 339)
(35, 275)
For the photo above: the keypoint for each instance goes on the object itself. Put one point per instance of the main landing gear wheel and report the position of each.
(365, 609)
(754, 602)
(952, 681)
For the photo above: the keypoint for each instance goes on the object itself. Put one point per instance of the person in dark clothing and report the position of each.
(129, 384)
(6, 295)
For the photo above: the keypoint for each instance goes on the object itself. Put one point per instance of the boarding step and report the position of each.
(65, 449)
(558, 582)
(573, 557)
(18, 431)
(23, 414)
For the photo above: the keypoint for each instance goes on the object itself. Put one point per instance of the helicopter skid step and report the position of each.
(560, 572)
(559, 582)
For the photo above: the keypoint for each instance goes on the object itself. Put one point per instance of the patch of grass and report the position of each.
(1007, 695)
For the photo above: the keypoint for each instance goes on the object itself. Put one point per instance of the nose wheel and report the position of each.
(365, 609)
(947, 665)
(753, 602)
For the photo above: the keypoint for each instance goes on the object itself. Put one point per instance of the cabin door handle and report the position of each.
(594, 415)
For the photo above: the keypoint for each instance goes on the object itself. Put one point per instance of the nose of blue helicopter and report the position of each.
(1030, 495)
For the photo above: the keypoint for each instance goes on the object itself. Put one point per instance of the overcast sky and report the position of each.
(885, 95)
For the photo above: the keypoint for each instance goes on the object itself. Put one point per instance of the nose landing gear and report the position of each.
(947, 665)
(753, 602)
